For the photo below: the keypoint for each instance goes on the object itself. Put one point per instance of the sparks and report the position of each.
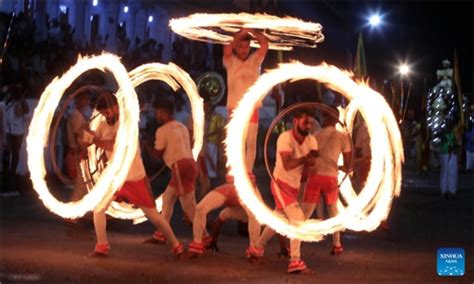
(282, 33)
(364, 211)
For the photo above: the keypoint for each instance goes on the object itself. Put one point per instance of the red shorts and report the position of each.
(283, 194)
(71, 162)
(137, 193)
(183, 176)
(253, 119)
(230, 193)
(325, 184)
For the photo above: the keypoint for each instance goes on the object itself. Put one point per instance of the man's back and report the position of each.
(173, 138)
(331, 144)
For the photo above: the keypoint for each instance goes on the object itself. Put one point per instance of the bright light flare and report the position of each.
(404, 69)
(124, 149)
(282, 33)
(364, 211)
(375, 20)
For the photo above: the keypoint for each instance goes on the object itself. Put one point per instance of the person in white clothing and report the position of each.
(76, 151)
(448, 156)
(295, 150)
(173, 145)
(243, 70)
(136, 189)
(16, 109)
(322, 176)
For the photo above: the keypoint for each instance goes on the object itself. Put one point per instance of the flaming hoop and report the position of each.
(364, 211)
(115, 173)
(174, 77)
(102, 187)
(282, 33)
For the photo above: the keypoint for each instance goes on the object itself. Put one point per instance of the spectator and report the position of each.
(449, 165)
(15, 109)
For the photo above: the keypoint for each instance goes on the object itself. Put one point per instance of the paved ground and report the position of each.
(35, 245)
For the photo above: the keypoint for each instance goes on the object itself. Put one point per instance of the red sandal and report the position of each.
(157, 238)
(296, 266)
(100, 250)
(337, 250)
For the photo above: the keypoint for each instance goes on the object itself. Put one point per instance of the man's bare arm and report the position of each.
(156, 154)
(107, 145)
(347, 157)
(262, 41)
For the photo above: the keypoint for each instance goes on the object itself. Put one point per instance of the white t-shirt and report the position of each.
(331, 144)
(137, 171)
(173, 138)
(287, 143)
(240, 76)
(15, 123)
(75, 121)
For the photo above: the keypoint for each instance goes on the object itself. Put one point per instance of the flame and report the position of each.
(283, 33)
(364, 211)
(124, 149)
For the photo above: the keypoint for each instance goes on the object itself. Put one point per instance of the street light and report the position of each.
(375, 20)
(404, 69)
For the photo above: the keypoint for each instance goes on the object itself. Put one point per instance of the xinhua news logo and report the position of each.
(450, 262)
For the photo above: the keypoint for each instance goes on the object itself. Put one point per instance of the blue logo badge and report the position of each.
(450, 262)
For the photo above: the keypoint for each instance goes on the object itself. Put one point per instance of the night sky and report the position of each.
(421, 33)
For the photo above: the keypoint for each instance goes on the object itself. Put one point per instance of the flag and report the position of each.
(457, 80)
(459, 128)
(396, 105)
(360, 64)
